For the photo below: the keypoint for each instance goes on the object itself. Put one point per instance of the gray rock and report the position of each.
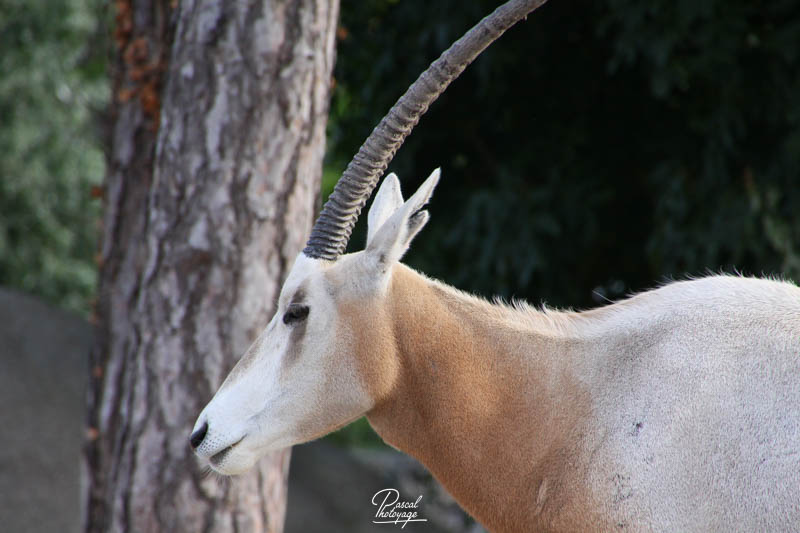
(43, 360)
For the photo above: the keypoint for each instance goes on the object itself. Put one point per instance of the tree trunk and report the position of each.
(218, 124)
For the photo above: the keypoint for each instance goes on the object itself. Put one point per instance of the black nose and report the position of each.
(198, 436)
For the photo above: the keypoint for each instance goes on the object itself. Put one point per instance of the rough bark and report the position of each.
(218, 133)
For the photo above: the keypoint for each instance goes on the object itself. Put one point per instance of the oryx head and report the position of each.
(325, 358)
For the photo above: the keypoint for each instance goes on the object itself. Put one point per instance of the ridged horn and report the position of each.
(332, 229)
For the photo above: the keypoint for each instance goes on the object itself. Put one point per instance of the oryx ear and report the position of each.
(387, 200)
(390, 242)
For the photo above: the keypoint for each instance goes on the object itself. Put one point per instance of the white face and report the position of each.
(298, 381)
(303, 377)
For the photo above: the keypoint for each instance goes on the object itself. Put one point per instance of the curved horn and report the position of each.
(332, 230)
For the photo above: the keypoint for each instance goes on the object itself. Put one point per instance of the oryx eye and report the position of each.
(295, 313)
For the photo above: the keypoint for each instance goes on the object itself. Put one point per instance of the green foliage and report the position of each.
(595, 149)
(359, 433)
(729, 73)
(52, 82)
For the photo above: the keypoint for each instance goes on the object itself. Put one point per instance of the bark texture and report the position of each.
(217, 140)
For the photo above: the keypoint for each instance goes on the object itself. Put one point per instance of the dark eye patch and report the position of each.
(295, 313)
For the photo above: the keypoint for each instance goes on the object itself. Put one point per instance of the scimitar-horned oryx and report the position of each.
(675, 410)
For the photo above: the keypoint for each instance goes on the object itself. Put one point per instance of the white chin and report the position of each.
(234, 463)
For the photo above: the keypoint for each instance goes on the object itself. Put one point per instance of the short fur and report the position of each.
(675, 410)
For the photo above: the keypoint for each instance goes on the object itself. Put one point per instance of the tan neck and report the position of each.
(484, 399)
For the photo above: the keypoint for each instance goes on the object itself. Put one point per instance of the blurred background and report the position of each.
(597, 150)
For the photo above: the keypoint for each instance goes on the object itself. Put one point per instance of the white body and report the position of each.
(675, 410)
(696, 393)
